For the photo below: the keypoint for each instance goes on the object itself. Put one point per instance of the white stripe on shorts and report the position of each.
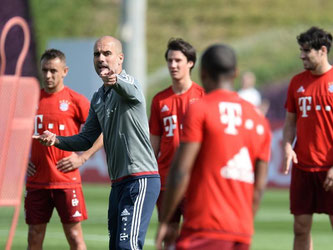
(137, 211)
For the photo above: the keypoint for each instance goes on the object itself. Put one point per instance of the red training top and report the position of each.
(166, 120)
(310, 97)
(233, 135)
(62, 113)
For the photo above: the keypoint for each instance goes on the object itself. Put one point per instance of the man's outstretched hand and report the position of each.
(47, 138)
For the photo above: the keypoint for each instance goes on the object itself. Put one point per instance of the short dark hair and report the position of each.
(219, 60)
(52, 54)
(183, 46)
(315, 38)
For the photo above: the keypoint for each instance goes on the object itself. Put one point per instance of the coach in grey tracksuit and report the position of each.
(118, 110)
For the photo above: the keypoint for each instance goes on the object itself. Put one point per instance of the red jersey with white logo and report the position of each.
(166, 120)
(233, 135)
(62, 113)
(310, 97)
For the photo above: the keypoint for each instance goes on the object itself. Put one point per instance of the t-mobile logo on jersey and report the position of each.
(304, 105)
(38, 125)
(49, 126)
(231, 114)
(170, 123)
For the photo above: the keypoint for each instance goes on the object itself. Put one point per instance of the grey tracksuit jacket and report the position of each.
(119, 112)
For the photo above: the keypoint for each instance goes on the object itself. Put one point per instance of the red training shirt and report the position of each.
(233, 135)
(310, 97)
(166, 120)
(62, 113)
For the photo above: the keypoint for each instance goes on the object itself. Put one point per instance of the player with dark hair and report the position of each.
(309, 120)
(167, 114)
(54, 179)
(118, 109)
(51, 54)
(221, 163)
(178, 44)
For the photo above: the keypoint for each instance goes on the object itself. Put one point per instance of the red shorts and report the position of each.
(39, 204)
(177, 214)
(210, 244)
(307, 195)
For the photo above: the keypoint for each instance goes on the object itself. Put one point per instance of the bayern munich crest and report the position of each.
(64, 105)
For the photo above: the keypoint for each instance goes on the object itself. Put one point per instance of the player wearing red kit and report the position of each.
(167, 114)
(62, 112)
(309, 119)
(166, 121)
(53, 176)
(221, 162)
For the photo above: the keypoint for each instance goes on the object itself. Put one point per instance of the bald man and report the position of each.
(118, 110)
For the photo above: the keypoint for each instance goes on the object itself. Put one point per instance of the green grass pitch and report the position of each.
(273, 224)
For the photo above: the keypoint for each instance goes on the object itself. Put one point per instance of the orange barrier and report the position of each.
(18, 102)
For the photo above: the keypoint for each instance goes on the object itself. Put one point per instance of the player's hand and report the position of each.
(70, 163)
(47, 138)
(328, 183)
(31, 169)
(110, 80)
(161, 236)
(171, 236)
(289, 155)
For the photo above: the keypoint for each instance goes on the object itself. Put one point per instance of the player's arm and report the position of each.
(260, 175)
(86, 138)
(155, 126)
(289, 133)
(129, 88)
(155, 141)
(177, 183)
(80, 142)
(75, 160)
(178, 178)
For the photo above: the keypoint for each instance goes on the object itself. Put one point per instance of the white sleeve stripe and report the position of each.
(127, 78)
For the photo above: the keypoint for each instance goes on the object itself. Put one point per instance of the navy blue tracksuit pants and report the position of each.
(131, 204)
